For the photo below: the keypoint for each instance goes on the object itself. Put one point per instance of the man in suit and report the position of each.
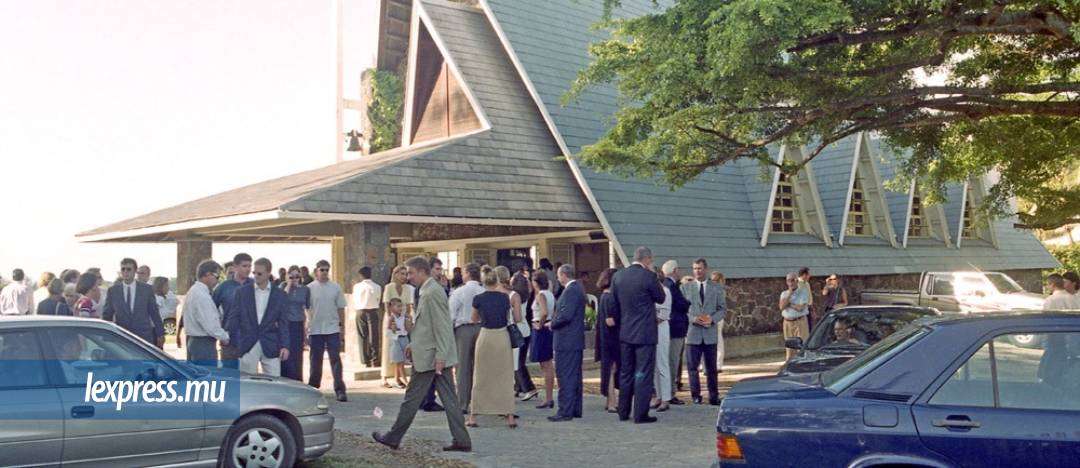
(708, 306)
(133, 307)
(434, 353)
(256, 324)
(636, 294)
(679, 323)
(568, 326)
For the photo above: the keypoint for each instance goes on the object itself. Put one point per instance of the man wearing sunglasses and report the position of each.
(133, 307)
(326, 327)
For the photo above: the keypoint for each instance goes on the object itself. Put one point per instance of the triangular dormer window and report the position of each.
(859, 223)
(785, 212)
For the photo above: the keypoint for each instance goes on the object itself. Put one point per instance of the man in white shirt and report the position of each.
(794, 308)
(365, 295)
(17, 298)
(1059, 299)
(465, 331)
(202, 320)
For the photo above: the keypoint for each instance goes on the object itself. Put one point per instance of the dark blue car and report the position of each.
(944, 392)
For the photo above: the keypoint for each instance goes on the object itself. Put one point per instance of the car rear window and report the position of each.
(843, 376)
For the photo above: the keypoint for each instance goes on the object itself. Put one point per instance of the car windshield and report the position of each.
(855, 327)
(838, 379)
(1003, 283)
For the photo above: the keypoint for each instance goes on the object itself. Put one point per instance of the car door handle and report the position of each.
(956, 423)
(80, 412)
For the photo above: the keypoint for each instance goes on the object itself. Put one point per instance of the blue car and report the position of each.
(948, 391)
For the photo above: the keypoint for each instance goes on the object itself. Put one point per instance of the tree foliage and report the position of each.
(965, 86)
(384, 109)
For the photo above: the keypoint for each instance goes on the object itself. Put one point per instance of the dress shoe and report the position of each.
(624, 418)
(550, 404)
(435, 407)
(662, 408)
(457, 448)
(696, 400)
(714, 401)
(379, 438)
(342, 397)
(676, 401)
(645, 420)
(559, 418)
(529, 395)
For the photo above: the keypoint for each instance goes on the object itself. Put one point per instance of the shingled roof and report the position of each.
(720, 215)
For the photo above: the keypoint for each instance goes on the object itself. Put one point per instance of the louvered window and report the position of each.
(785, 213)
(859, 223)
(917, 224)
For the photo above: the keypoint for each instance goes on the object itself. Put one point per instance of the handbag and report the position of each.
(516, 339)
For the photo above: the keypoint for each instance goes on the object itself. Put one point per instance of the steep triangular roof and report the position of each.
(718, 215)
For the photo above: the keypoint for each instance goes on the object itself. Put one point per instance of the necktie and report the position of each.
(127, 296)
(701, 293)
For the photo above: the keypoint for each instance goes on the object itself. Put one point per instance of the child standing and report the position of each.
(400, 325)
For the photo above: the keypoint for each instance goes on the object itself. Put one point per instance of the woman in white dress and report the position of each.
(662, 376)
(400, 289)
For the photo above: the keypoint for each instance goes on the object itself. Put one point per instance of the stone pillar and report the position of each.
(363, 244)
(189, 252)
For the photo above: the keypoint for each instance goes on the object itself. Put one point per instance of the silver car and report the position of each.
(47, 417)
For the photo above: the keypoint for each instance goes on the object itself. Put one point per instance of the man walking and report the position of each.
(366, 295)
(708, 306)
(1059, 299)
(568, 326)
(202, 321)
(465, 331)
(256, 324)
(636, 292)
(133, 307)
(794, 309)
(679, 324)
(434, 354)
(17, 298)
(326, 326)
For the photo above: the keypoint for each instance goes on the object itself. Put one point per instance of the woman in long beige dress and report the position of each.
(400, 289)
(493, 373)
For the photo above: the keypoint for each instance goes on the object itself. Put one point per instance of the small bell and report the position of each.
(354, 141)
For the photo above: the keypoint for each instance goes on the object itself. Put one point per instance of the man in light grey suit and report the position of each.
(434, 354)
(708, 306)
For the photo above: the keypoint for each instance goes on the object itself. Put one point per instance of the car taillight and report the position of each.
(727, 447)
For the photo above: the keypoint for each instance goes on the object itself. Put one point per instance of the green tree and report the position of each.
(384, 110)
(967, 86)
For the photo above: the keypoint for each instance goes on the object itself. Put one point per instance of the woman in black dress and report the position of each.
(607, 337)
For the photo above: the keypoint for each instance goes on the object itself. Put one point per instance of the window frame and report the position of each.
(946, 375)
(796, 221)
(867, 223)
(917, 204)
(56, 373)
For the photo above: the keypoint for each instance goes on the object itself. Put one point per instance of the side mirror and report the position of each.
(793, 343)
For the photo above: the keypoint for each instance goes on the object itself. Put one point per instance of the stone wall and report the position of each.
(753, 302)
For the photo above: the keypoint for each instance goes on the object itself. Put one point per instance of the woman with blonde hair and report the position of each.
(42, 291)
(54, 304)
(398, 288)
(493, 373)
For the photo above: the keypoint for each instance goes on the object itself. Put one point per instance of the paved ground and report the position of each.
(684, 436)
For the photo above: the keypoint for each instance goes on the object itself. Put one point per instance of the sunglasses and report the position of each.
(126, 268)
(294, 277)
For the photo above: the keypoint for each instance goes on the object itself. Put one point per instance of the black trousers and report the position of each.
(202, 351)
(568, 371)
(636, 367)
(414, 394)
(331, 344)
(293, 368)
(522, 380)
(370, 332)
(699, 353)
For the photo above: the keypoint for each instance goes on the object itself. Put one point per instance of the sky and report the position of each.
(111, 109)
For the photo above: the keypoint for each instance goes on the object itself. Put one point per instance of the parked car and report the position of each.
(947, 391)
(960, 291)
(847, 332)
(50, 419)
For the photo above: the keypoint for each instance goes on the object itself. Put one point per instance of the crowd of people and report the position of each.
(468, 336)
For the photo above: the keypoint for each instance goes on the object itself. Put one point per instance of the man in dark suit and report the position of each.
(679, 323)
(568, 326)
(133, 307)
(256, 324)
(636, 293)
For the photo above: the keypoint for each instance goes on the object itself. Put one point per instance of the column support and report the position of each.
(189, 252)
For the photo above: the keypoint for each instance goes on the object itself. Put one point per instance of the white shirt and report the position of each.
(16, 299)
(129, 292)
(201, 314)
(1061, 300)
(262, 298)
(366, 295)
(461, 303)
(549, 297)
(399, 322)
